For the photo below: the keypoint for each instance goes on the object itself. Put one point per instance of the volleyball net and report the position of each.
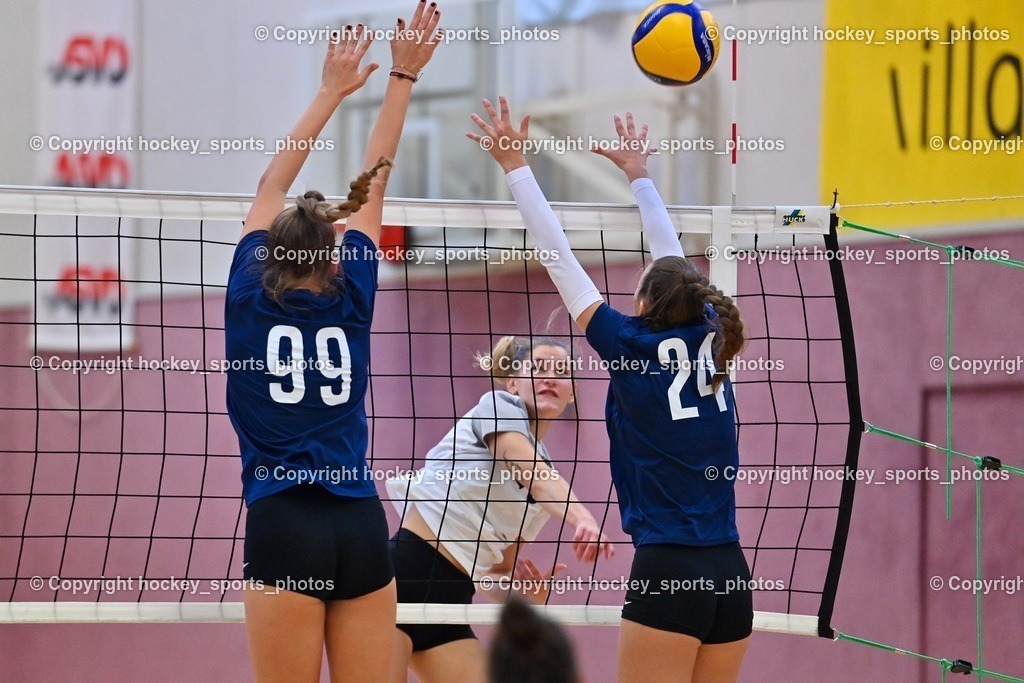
(977, 470)
(120, 494)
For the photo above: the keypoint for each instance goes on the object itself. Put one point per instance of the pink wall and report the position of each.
(899, 537)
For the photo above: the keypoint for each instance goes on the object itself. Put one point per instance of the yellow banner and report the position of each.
(923, 100)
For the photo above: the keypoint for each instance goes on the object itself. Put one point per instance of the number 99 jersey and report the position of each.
(672, 438)
(297, 374)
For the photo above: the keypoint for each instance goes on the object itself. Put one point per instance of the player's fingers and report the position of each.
(643, 133)
(346, 39)
(578, 548)
(630, 125)
(365, 73)
(478, 121)
(418, 14)
(619, 128)
(584, 545)
(607, 544)
(590, 552)
(428, 13)
(524, 126)
(365, 43)
(431, 23)
(506, 116)
(495, 119)
(353, 45)
(586, 549)
(483, 125)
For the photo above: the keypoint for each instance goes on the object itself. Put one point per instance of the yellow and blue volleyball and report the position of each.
(675, 43)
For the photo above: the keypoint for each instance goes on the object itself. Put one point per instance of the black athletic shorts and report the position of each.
(702, 592)
(307, 540)
(425, 575)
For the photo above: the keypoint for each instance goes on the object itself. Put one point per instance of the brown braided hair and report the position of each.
(308, 228)
(675, 294)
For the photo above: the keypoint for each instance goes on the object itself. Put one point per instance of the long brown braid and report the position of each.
(307, 227)
(313, 205)
(675, 294)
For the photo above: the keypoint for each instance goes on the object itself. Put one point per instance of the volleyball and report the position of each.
(675, 43)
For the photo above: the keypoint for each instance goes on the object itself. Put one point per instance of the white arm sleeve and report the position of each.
(661, 234)
(577, 289)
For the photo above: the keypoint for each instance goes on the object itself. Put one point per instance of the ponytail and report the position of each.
(730, 341)
(313, 206)
(501, 361)
(677, 294)
(307, 227)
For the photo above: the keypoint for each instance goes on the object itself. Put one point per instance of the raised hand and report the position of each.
(631, 152)
(535, 586)
(589, 542)
(341, 74)
(341, 77)
(414, 45)
(500, 138)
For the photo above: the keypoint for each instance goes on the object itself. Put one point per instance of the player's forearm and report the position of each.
(657, 224)
(285, 166)
(554, 496)
(575, 286)
(387, 131)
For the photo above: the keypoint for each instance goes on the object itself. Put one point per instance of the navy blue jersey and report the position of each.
(667, 428)
(298, 374)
